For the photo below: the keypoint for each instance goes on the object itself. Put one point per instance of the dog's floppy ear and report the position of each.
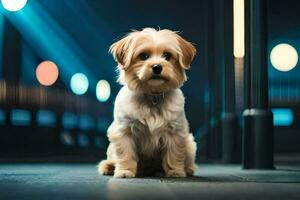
(121, 51)
(188, 52)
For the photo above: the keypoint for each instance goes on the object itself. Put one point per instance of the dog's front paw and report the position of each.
(190, 171)
(175, 173)
(106, 167)
(124, 174)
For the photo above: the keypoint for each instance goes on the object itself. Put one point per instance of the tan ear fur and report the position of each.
(121, 50)
(188, 52)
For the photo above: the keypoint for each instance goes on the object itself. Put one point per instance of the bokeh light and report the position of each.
(67, 139)
(103, 90)
(47, 73)
(283, 116)
(79, 83)
(83, 140)
(284, 57)
(13, 5)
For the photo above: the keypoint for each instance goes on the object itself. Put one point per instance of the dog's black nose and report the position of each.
(157, 68)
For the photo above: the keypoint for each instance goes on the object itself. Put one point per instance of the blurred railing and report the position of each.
(39, 121)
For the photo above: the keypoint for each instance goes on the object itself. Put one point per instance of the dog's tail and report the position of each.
(106, 167)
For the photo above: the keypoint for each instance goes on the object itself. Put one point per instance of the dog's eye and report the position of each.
(167, 56)
(144, 56)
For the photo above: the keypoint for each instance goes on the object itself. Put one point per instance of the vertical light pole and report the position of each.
(239, 51)
(229, 117)
(258, 119)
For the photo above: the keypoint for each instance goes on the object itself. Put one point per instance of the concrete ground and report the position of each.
(81, 181)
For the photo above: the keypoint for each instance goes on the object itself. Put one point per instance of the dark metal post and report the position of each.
(258, 119)
(210, 142)
(215, 63)
(229, 117)
(11, 63)
(11, 54)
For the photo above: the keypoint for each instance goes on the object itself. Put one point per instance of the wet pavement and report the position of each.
(81, 181)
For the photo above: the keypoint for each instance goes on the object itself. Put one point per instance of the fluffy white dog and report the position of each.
(150, 132)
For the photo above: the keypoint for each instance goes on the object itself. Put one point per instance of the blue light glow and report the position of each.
(86, 122)
(2, 117)
(14, 5)
(103, 90)
(282, 116)
(79, 83)
(20, 117)
(69, 120)
(83, 140)
(46, 118)
(103, 124)
(46, 35)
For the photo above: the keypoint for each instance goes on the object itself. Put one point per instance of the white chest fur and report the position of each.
(131, 107)
(149, 123)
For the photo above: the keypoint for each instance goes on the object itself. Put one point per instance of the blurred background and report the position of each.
(58, 82)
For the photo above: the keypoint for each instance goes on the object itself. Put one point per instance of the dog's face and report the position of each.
(152, 61)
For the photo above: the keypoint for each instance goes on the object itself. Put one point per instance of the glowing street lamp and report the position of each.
(79, 83)
(13, 5)
(103, 90)
(47, 73)
(284, 57)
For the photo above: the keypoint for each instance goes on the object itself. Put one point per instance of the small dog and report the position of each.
(150, 132)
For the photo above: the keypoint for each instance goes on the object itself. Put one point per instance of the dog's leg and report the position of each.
(191, 148)
(174, 156)
(125, 156)
(106, 167)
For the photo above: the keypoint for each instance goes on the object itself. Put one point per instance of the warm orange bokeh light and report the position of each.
(47, 73)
